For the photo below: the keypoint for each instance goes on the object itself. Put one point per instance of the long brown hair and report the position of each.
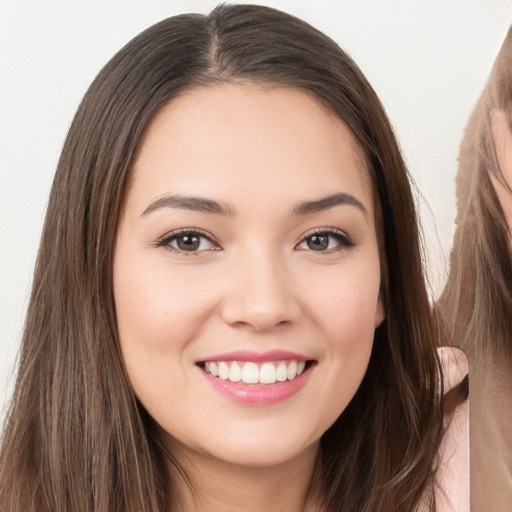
(475, 308)
(76, 438)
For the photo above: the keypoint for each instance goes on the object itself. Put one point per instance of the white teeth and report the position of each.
(267, 373)
(282, 372)
(252, 373)
(235, 373)
(223, 371)
(292, 370)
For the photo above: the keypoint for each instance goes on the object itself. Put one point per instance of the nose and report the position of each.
(261, 295)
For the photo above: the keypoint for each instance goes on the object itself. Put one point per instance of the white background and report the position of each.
(428, 60)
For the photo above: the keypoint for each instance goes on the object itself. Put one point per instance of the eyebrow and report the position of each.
(204, 205)
(197, 204)
(325, 203)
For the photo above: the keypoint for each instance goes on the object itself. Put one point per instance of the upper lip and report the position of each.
(247, 355)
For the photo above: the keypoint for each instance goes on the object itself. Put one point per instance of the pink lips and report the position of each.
(258, 394)
(246, 355)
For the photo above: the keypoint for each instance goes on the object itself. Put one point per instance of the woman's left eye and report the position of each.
(187, 242)
(323, 241)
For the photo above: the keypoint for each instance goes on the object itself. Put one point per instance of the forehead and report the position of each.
(246, 141)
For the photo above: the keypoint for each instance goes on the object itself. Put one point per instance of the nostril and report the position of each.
(257, 321)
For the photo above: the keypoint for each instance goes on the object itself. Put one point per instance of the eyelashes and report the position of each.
(325, 240)
(190, 242)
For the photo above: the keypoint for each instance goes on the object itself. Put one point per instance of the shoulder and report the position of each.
(452, 492)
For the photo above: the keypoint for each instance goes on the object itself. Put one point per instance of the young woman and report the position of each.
(228, 309)
(476, 305)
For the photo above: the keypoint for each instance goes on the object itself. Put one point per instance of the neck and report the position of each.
(213, 485)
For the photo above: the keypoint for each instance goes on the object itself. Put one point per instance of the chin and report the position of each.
(247, 447)
(264, 453)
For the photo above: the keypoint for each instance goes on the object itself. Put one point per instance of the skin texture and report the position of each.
(254, 284)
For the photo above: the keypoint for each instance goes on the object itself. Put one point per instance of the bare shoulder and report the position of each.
(452, 493)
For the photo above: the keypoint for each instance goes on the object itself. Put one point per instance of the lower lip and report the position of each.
(258, 394)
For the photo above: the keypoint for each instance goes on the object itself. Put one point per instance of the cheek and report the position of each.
(349, 329)
(158, 316)
(345, 309)
(155, 305)
(345, 303)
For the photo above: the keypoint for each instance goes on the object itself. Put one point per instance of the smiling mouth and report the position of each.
(249, 372)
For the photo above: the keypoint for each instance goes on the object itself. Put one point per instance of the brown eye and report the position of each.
(318, 242)
(188, 242)
(326, 241)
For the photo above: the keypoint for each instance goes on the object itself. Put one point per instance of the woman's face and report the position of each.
(246, 273)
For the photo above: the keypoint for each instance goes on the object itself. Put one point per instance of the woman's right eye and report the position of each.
(190, 242)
